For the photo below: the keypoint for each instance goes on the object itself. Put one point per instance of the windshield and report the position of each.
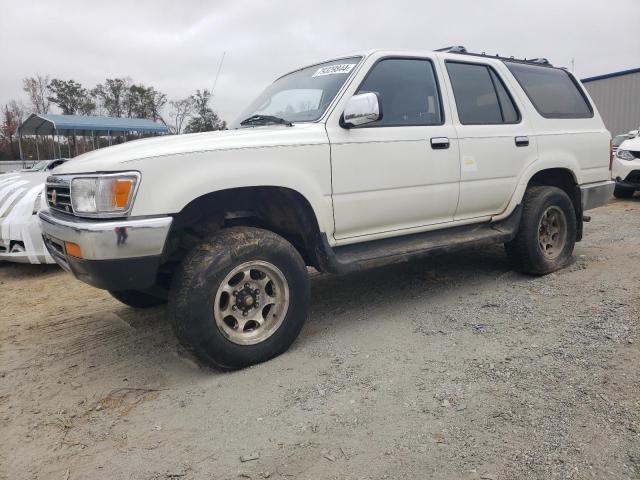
(303, 95)
(618, 139)
(39, 166)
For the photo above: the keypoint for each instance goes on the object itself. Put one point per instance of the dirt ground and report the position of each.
(448, 368)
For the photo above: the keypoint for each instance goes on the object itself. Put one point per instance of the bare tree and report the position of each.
(37, 89)
(12, 115)
(180, 112)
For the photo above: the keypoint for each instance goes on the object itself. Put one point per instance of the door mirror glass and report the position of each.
(362, 109)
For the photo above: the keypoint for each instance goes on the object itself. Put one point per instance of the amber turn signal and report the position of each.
(121, 191)
(73, 249)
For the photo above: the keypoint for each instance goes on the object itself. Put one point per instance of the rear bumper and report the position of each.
(115, 254)
(594, 195)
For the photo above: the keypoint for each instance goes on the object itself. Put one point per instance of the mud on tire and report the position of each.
(207, 301)
(547, 233)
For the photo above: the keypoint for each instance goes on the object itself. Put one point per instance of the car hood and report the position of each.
(631, 144)
(18, 193)
(116, 157)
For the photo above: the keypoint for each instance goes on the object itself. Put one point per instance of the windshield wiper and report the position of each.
(264, 120)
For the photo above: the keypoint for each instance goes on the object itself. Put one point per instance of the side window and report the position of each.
(508, 109)
(481, 97)
(553, 92)
(408, 92)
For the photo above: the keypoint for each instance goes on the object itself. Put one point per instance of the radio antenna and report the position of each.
(215, 82)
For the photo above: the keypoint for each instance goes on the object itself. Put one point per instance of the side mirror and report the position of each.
(362, 109)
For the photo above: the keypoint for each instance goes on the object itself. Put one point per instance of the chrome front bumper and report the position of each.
(596, 194)
(103, 241)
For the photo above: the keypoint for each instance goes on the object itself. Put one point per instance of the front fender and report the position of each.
(169, 183)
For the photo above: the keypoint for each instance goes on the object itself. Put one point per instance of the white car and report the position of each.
(363, 160)
(626, 168)
(618, 139)
(21, 197)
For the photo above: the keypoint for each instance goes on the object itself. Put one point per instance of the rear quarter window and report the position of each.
(553, 91)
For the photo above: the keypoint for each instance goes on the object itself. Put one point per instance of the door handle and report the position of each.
(439, 143)
(522, 141)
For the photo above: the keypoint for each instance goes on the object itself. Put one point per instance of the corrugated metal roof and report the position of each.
(611, 75)
(47, 124)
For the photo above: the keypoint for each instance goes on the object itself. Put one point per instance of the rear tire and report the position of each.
(547, 233)
(240, 298)
(623, 192)
(137, 299)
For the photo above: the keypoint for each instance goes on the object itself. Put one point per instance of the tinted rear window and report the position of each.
(553, 92)
(481, 97)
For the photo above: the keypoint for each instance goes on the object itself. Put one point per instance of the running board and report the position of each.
(400, 249)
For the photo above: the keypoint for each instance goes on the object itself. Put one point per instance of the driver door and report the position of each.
(401, 172)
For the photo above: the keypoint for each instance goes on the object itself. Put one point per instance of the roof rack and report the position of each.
(459, 49)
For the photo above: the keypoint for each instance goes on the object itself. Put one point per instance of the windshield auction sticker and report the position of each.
(334, 69)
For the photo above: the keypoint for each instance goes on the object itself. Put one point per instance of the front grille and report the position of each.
(59, 195)
(635, 154)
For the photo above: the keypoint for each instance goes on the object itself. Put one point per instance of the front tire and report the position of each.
(240, 298)
(623, 192)
(547, 233)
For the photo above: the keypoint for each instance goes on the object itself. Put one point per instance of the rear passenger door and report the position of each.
(496, 142)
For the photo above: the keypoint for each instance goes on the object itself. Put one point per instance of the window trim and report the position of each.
(438, 90)
(490, 69)
(556, 116)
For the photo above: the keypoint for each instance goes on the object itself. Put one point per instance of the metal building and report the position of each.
(43, 126)
(617, 96)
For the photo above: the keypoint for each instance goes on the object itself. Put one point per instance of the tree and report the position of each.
(112, 95)
(180, 111)
(12, 114)
(71, 97)
(37, 89)
(204, 118)
(144, 102)
(157, 100)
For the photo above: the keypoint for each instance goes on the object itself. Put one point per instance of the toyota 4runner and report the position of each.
(363, 160)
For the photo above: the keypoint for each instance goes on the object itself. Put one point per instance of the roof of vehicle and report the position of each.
(448, 52)
(49, 124)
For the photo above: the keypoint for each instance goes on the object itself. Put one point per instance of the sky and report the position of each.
(177, 46)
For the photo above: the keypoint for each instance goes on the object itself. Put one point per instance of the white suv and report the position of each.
(626, 168)
(363, 160)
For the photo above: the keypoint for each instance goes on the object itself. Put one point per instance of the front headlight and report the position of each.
(104, 195)
(625, 155)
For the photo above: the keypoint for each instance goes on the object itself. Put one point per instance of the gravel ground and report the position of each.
(449, 368)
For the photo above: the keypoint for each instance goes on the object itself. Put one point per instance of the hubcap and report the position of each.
(251, 302)
(552, 232)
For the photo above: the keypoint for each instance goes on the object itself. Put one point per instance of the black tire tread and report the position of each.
(233, 242)
(519, 251)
